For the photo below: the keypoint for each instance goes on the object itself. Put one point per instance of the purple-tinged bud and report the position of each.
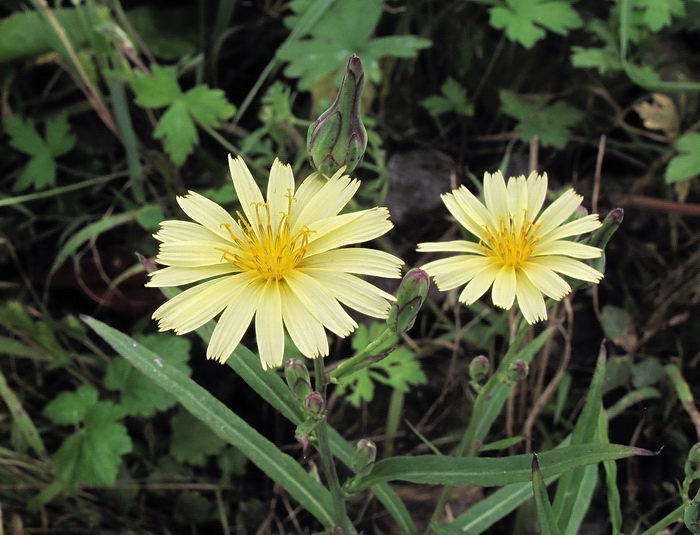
(517, 371)
(298, 379)
(611, 223)
(338, 138)
(691, 517)
(314, 404)
(409, 298)
(364, 456)
(479, 368)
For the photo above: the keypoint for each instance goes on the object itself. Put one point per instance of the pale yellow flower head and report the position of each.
(520, 252)
(282, 260)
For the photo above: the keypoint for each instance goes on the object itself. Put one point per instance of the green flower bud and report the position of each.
(409, 298)
(364, 456)
(691, 517)
(338, 138)
(517, 371)
(479, 368)
(314, 404)
(297, 377)
(601, 237)
(692, 464)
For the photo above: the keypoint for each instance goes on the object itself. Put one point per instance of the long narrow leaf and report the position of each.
(548, 523)
(279, 466)
(611, 480)
(492, 471)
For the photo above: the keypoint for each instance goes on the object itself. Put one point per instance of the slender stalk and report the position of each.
(468, 443)
(324, 451)
(361, 359)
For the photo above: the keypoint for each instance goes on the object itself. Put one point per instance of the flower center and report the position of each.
(510, 245)
(271, 251)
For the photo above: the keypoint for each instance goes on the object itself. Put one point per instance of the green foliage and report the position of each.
(192, 441)
(399, 370)
(657, 14)
(346, 28)
(453, 99)
(92, 454)
(551, 123)
(687, 163)
(177, 126)
(525, 21)
(139, 396)
(40, 171)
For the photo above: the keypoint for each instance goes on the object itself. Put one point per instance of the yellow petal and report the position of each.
(456, 246)
(478, 286)
(566, 248)
(178, 231)
(358, 260)
(457, 270)
(546, 280)
(269, 331)
(468, 211)
(246, 188)
(280, 187)
(496, 194)
(569, 267)
(178, 276)
(530, 300)
(536, 193)
(327, 202)
(347, 229)
(191, 253)
(354, 292)
(306, 331)
(503, 293)
(574, 228)
(558, 212)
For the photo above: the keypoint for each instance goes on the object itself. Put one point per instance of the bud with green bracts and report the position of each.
(409, 298)
(314, 404)
(479, 368)
(364, 456)
(601, 237)
(517, 371)
(691, 517)
(338, 138)
(297, 377)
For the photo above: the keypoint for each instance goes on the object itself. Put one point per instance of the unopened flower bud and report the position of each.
(479, 368)
(314, 404)
(692, 464)
(409, 298)
(611, 223)
(364, 456)
(691, 517)
(517, 371)
(338, 138)
(297, 377)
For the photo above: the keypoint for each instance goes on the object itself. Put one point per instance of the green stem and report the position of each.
(360, 360)
(467, 445)
(674, 516)
(324, 451)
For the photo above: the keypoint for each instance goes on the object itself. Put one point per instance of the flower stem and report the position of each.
(324, 451)
(363, 358)
(468, 444)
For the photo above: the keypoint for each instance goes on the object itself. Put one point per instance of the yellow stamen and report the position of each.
(272, 252)
(510, 245)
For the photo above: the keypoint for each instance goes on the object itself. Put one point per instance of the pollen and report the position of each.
(270, 250)
(511, 244)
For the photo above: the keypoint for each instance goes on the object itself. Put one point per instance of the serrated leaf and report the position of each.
(687, 163)
(178, 132)
(550, 123)
(524, 20)
(604, 59)
(208, 106)
(453, 99)
(24, 136)
(192, 441)
(59, 138)
(71, 408)
(92, 455)
(158, 89)
(40, 172)
(657, 14)
(138, 393)
(399, 369)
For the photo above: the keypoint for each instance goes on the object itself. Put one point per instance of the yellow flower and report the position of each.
(282, 261)
(520, 251)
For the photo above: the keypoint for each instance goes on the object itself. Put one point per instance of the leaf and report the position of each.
(524, 20)
(550, 123)
(279, 466)
(24, 136)
(687, 163)
(453, 99)
(59, 138)
(345, 28)
(71, 408)
(548, 522)
(178, 131)
(399, 369)
(192, 441)
(492, 471)
(657, 14)
(39, 172)
(139, 396)
(92, 455)
(208, 106)
(158, 89)
(605, 59)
